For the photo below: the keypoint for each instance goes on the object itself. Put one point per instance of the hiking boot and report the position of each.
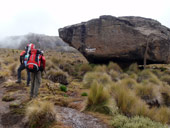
(18, 81)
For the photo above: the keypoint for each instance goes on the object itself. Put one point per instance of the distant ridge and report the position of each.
(41, 41)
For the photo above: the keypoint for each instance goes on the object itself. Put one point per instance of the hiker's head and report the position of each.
(42, 52)
(31, 45)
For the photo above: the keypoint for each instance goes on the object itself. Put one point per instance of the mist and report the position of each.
(41, 41)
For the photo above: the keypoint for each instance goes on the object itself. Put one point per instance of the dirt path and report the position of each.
(76, 119)
(69, 117)
(4, 106)
(7, 118)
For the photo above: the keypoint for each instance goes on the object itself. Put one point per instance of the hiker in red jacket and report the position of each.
(35, 64)
(23, 59)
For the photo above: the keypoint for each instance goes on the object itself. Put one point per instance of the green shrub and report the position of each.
(63, 88)
(84, 94)
(121, 121)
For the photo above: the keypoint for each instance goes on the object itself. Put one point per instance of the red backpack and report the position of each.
(33, 62)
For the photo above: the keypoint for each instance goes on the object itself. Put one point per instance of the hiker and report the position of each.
(35, 64)
(23, 60)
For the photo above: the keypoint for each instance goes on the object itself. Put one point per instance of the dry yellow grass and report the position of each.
(102, 78)
(99, 99)
(40, 114)
(127, 101)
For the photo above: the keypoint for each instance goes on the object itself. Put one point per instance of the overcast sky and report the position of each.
(19, 17)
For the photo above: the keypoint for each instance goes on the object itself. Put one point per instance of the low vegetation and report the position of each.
(129, 98)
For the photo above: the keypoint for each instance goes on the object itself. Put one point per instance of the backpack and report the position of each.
(33, 62)
(27, 51)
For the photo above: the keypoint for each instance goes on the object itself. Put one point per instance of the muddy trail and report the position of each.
(8, 119)
(76, 119)
(67, 116)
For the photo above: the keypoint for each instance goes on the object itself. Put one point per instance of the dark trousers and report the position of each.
(35, 84)
(22, 67)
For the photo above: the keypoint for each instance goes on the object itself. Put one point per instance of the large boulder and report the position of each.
(122, 39)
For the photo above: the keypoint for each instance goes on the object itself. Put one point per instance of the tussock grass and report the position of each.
(85, 68)
(58, 76)
(102, 78)
(162, 115)
(114, 66)
(40, 114)
(165, 92)
(147, 75)
(129, 82)
(147, 91)
(100, 68)
(4, 74)
(24, 74)
(99, 99)
(127, 101)
(133, 68)
(56, 60)
(114, 75)
(166, 78)
(13, 69)
(8, 60)
(157, 72)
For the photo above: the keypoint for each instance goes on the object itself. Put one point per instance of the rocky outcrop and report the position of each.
(122, 39)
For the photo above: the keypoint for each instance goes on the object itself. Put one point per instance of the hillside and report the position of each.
(84, 95)
(41, 41)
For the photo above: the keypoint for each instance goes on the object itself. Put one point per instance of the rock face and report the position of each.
(122, 39)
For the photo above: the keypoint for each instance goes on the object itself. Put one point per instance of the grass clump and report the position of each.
(165, 78)
(99, 99)
(13, 69)
(85, 68)
(147, 75)
(129, 82)
(133, 68)
(165, 92)
(127, 101)
(161, 114)
(8, 98)
(114, 66)
(121, 121)
(102, 78)
(58, 76)
(148, 91)
(41, 114)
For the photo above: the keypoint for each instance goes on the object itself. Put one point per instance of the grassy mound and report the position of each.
(40, 114)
